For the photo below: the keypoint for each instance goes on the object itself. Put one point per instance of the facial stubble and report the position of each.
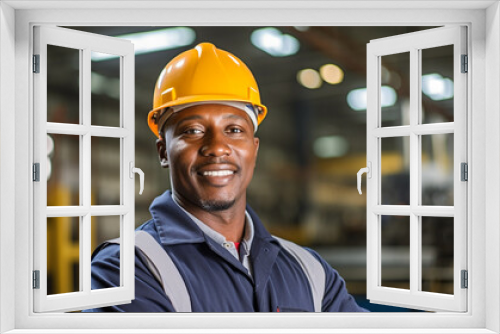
(216, 206)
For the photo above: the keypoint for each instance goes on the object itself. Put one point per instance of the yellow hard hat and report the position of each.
(203, 74)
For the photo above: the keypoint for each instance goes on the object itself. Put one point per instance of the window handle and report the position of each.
(368, 171)
(133, 170)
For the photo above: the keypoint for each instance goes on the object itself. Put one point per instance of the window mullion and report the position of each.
(434, 128)
(85, 158)
(421, 210)
(85, 253)
(373, 184)
(128, 155)
(415, 247)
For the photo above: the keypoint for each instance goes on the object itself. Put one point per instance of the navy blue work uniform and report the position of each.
(215, 279)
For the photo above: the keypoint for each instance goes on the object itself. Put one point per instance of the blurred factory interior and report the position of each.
(312, 143)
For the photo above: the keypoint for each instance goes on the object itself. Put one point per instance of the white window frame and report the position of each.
(413, 44)
(16, 21)
(84, 43)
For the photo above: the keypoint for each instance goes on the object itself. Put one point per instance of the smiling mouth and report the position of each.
(218, 173)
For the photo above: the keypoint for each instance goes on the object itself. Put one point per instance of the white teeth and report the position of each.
(218, 173)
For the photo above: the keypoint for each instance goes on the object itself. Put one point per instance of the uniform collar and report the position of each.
(174, 226)
(216, 236)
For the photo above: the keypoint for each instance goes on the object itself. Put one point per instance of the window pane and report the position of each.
(395, 91)
(395, 232)
(437, 84)
(63, 170)
(437, 254)
(63, 85)
(63, 255)
(105, 89)
(105, 228)
(395, 171)
(437, 169)
(105, 171)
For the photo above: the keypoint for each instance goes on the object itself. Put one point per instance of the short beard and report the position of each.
(215, 206)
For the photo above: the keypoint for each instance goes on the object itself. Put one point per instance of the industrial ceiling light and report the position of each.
(101, 84)
(357, 98)
(437, 87)
(330, 147)
(156, 40)
(274, 42)
(309, 78)
(332, 74)
(388, 96)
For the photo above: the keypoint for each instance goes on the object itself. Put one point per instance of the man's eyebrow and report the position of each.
(199, 117)
(189, 118)
(237, 117)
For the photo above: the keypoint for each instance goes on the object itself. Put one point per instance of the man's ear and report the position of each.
(161, 146)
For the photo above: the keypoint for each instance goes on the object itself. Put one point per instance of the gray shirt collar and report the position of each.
(246, 243)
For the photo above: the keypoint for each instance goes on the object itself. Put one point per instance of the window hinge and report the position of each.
(465, 64)
(464, 171)
(36, 279)
(36, 63)
(465, 279)
(36, 172)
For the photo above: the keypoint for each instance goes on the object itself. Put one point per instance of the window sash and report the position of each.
(86, 43)
(413, 43)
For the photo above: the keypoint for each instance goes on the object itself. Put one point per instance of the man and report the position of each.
(206, 111)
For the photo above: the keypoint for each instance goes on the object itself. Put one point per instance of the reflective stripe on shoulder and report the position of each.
(175, 287)
(161, 266)
(312, 268)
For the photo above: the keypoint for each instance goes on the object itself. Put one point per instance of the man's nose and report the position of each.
(216, 145)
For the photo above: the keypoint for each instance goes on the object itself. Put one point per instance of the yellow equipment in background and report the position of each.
(63, 245)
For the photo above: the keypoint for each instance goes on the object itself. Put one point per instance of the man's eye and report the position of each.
(193, 131)
(235, 130)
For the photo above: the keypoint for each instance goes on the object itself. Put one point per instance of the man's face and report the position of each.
(211, 152)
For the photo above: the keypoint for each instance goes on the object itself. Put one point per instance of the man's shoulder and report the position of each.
(288, 244)
(149, 227)
(306, 254)
(111, 248)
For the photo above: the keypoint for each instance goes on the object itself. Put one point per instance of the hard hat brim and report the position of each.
(152, 122)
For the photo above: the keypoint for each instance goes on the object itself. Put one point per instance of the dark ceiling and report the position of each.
(326, 108)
